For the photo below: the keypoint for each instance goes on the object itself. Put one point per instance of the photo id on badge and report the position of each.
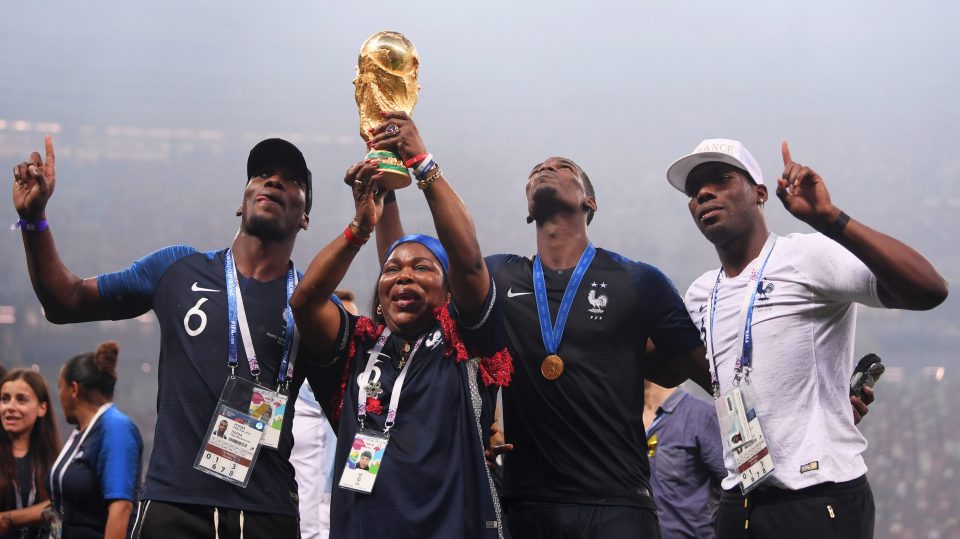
(363, 462)
(742, 436)
(232, 443)
(231, 447)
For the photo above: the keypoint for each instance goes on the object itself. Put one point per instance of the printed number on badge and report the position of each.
(195, 312)
(216, 466)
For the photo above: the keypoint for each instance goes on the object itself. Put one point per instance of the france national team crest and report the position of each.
(598, 301)
(433, 340)
(763, 290)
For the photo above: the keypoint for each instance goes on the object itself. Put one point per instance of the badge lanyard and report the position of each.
(66, 448)
(553, 335)
(238, 323)
(397, 386)
(745, 337)
(30, 498)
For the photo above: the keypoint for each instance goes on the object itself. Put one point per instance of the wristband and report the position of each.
(836, 228)
(424, 167)
(415, 159)
(30, 226)
(354, 239)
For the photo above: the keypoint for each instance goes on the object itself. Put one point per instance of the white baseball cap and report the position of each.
(714, 150)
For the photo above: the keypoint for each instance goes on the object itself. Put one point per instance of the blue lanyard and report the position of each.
(745, 361)
(552, 335)
(236, 312)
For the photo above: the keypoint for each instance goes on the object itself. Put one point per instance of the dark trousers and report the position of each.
(573, 521)
(163, 520)
(828, 511)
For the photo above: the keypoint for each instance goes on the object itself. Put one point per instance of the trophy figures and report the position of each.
(386, 82)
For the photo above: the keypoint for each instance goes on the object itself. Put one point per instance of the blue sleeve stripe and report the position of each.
(140, 280)
(119, 458)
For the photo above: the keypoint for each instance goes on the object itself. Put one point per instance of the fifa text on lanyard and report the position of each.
(736, 409)
(248, 414)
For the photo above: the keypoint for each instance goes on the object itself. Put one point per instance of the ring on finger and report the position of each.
(392, 129)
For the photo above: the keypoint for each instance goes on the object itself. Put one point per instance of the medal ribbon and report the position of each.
(745, 361)
(397, 386)
(238, 323)
(553, 334)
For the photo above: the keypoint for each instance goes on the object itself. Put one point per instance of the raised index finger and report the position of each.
(785, 150)
(48, 142)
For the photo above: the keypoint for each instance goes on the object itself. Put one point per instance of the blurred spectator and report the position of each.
(686, 461)
(28, 446)
(914, 458)
(96, 477)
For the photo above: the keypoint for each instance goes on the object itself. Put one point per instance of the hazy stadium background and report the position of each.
(153, 109)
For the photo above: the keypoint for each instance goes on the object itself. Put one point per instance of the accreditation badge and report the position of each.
(268, 406)
(363, 462)
(742, 436)
(232, 443)
(56, 525)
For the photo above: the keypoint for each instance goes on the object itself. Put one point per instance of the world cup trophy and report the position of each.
(386, 82)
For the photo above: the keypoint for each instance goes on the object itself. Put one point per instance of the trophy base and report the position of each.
(395, 175)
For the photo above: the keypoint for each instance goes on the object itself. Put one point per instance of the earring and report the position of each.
(379, 311)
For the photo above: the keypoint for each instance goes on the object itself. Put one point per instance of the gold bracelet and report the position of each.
(428, 181)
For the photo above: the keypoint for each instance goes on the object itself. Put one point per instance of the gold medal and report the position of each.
(552, 367)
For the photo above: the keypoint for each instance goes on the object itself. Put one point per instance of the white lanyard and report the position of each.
(368, 373)
(744, 323)
(66, 448)
(33, 491)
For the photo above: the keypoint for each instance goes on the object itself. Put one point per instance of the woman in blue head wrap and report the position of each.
(412, 390)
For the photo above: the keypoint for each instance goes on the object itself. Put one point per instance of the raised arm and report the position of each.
(905, 279)
(468, 276)
(318, 318)
(65, 297)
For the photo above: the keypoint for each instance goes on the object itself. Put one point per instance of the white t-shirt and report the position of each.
(804, 320)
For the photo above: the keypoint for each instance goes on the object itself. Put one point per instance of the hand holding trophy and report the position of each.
(386, 82)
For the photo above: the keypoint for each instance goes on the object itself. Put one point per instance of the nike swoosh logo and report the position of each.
(197, 288)
(512, 294)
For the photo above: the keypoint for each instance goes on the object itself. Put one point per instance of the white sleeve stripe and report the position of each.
(486, 314)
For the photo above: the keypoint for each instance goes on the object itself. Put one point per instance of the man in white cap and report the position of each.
(778, 320)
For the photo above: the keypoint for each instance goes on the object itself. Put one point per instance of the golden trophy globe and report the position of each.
(386, 82)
